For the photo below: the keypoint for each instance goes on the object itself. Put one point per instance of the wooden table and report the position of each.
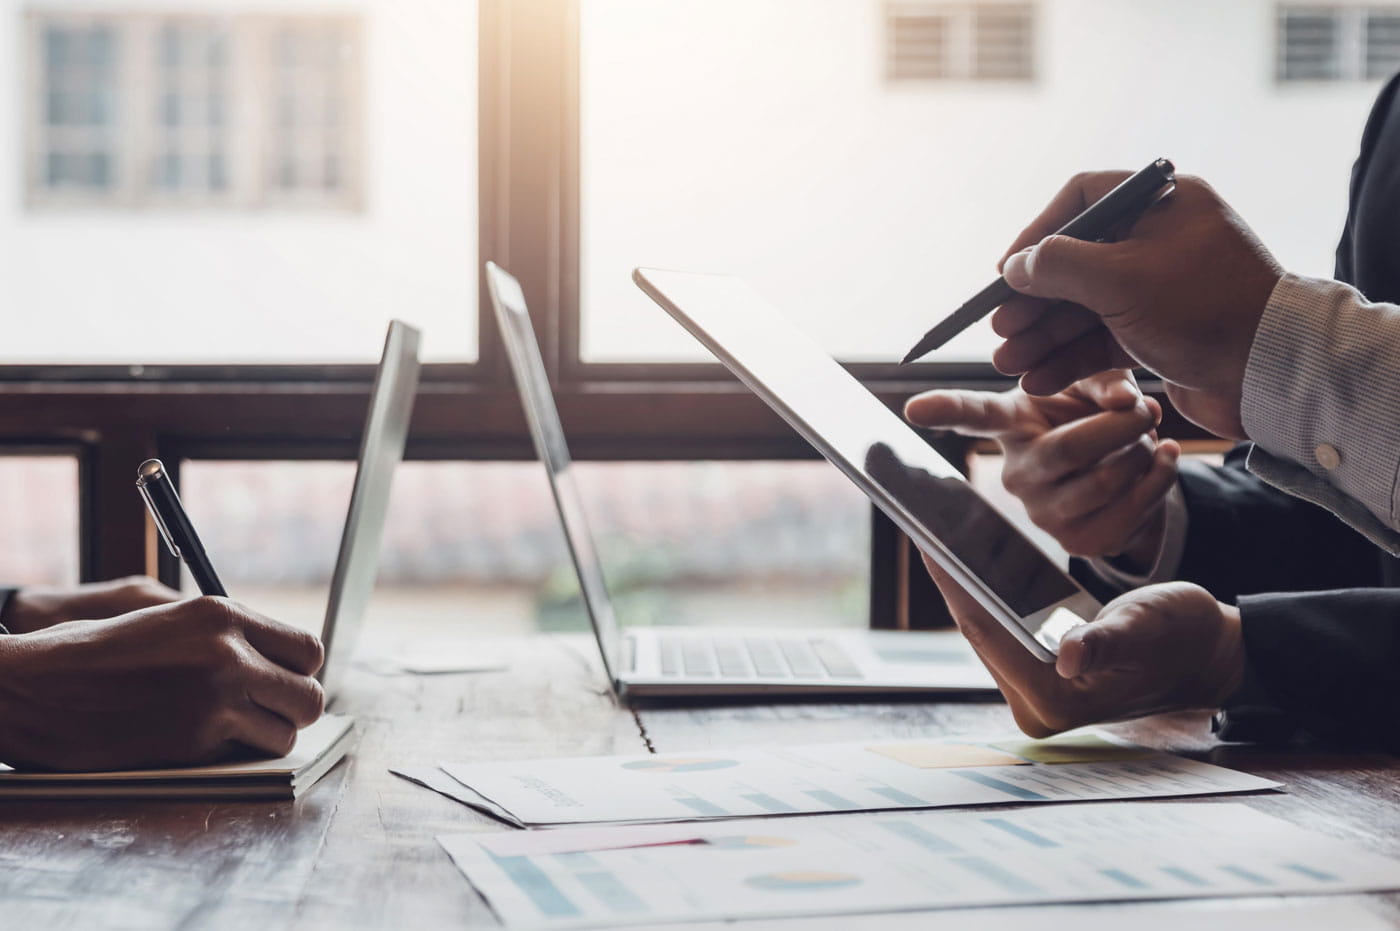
(358, 851)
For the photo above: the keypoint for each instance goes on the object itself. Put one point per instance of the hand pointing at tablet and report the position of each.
(1086, 463)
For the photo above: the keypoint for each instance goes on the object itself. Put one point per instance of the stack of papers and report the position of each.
(885, 863)
(318, 748)
(822, 778)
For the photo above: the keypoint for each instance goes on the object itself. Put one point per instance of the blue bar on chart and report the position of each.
(921, 836)
(612, 893)
(1124, 879)
(1003, 878)
(532, 881)
(769, 803)
(1025, 834)
(1248, 876)
(991, 782)
(702, 807)
(834, 800)
(898, 797)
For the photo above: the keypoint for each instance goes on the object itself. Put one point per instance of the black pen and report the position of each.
(1124, 202)
(174, 525)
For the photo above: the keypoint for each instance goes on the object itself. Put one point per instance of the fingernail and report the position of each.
(1086, 656)
(1016, 271)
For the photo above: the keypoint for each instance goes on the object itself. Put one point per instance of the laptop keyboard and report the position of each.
(755, 658)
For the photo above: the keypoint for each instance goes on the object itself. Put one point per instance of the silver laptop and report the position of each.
(731, 660)
(381, 450)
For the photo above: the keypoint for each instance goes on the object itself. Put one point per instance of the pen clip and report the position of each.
(160, 521)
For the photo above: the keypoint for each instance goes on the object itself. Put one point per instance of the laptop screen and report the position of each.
(381, 449)
(548, 433)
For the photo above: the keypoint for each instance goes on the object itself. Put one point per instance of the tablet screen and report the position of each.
(858, 433)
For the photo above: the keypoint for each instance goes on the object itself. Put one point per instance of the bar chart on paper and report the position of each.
(821, 778)
(924, 860)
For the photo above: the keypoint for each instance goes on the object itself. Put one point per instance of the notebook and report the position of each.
(318, 748)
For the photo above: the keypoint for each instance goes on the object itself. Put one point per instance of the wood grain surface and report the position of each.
(358, 851)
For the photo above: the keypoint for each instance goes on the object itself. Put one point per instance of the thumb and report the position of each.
(1123, 635)
(1113, 390)
(1066, 269)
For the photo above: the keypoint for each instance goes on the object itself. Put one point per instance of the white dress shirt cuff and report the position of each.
(1321, 401)
(1164, 567)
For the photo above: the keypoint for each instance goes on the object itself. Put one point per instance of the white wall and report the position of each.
(759, 136)
(239, 285)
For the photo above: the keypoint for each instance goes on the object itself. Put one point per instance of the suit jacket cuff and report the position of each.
(1168, 559)
(1324, 661)
(1320, 392)
(6, 594)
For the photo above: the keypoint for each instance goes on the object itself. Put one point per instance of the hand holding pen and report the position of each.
(158, 491)
(1182, 295)
(1123, 203)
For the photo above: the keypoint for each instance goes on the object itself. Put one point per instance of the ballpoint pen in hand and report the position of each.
(1125, 202)
(174, 525)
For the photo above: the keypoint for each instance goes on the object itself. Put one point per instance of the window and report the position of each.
(167, 110)
(1337, 43)
(192, 139)
(313, 101)
(39, 494)
(78, 135)
(199, 190)
(476, 549)
(939, 41)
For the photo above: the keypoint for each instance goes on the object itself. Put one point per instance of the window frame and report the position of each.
(1352, 47)
(139, 132)
(528, 222)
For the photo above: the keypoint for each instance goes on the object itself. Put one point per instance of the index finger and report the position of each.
(286, 646)
(1073, 199)
(971, 413)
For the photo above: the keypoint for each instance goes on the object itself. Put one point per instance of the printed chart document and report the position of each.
(821, 778)
(906, 862)
(318, 748)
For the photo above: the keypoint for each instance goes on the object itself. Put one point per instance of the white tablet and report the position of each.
(922, 493)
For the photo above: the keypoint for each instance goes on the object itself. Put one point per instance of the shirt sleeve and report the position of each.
(1321, 401)
(1165, 566)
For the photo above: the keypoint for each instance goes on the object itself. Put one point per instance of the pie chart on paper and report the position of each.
(803, 881)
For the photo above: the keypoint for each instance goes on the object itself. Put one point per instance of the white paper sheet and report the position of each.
(1332, 912)
(905, 862)
(865, 776)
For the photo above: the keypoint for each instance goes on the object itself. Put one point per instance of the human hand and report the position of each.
(1086, 462)
(1164, 647)
(36, 608)
(1182, 295)
(169, 685)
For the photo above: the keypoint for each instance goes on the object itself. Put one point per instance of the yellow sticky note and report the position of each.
(1073, 748)
(946, 756)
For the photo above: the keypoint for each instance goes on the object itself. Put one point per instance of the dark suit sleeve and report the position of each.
(5, 595)
(1327, 660)
(1244, 537)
